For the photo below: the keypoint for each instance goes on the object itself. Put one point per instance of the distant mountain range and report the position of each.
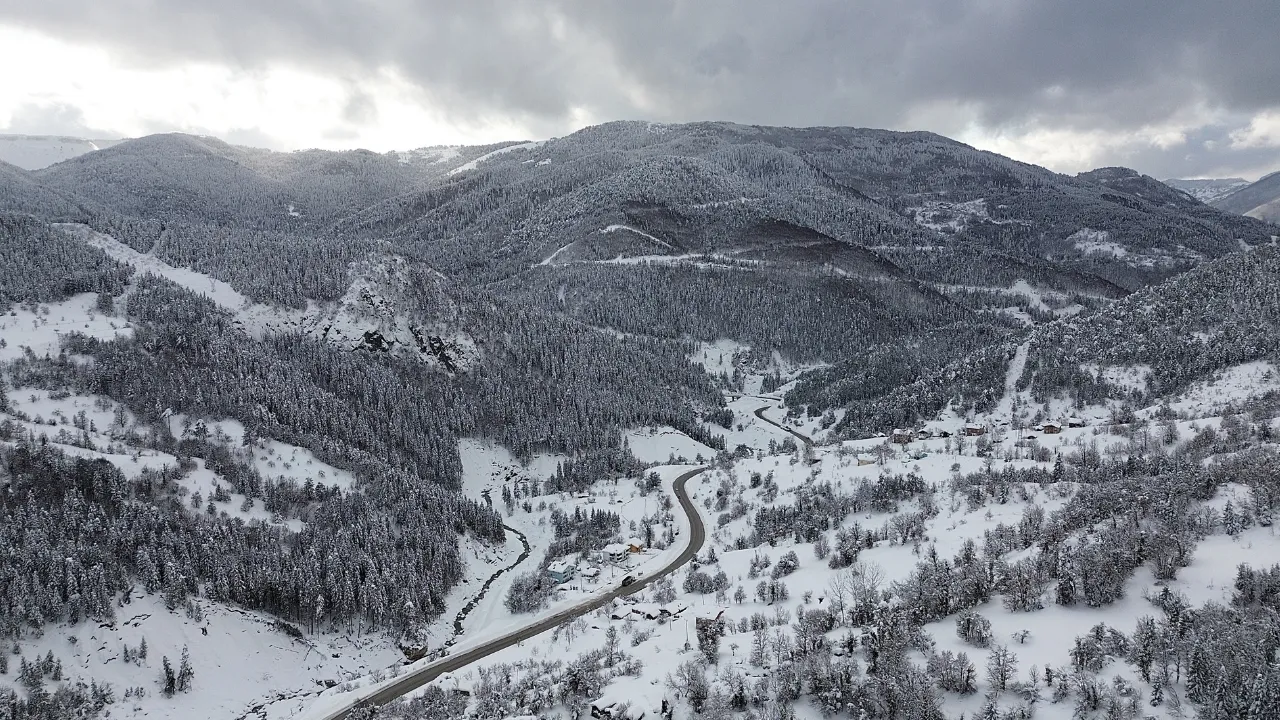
(33, 152)
(1206, 190)
(1260, 200)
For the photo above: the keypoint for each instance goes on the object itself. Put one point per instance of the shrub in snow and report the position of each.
(529, 592)
(953, 672)
(690, 681)
(974, 629)
(786, 565)
(1002, 667)
(771, 591)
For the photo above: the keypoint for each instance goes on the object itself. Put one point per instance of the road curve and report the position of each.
(424, 675)
(800, 436)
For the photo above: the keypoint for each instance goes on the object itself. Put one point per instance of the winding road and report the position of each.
(427, 673)
(800, 436)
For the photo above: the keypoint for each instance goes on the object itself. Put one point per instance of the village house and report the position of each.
(901, 437)
(561, 571)
(973, 430)
(1052, 428)
(615, 553)
(1075, 422)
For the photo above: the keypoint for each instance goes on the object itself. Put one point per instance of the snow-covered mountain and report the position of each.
(1260, 199)
(33, 152)
(308, 422)
(1207, 190)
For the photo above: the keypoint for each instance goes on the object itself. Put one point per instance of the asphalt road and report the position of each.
(800, 436)
(424, 675)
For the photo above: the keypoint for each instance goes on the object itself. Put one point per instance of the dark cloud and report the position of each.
(1086, 65)
(1209, 150)
(359, 108)
(53, 119)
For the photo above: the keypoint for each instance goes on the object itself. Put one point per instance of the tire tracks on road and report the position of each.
(417, 678)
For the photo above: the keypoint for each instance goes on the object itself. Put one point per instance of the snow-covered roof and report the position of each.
(559, 566)
(615, 548)
(639, 695)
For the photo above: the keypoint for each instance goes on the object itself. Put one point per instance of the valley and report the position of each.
(876, 424)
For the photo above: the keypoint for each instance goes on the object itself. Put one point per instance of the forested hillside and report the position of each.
(263, 382)
(1150, 345)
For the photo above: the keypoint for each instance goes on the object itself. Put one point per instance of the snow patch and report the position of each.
(1127, 377)
(949, 217)
(43, 329)
(641, 233)
(490, 155)
(659, 444)
(238, 656)
(1232, 385)
(429, 155)
(1097, 242)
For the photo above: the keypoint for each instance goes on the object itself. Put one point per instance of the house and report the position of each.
(615, 553)
(923, 434)
(901, 437)
(561, 571)
(634, 546)
(632, 702)
(973, 430)
(591, 573)
(646, 611)
(944, 434)
(1075, 422)
(1052, 428)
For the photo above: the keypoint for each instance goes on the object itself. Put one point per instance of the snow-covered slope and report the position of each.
(1260, 199)
(1207, 190)
(374, 314)
(33, 152)
(758, 511)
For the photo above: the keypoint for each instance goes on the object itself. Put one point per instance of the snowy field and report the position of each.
(656, 627)
(42, 330)
(247, 666)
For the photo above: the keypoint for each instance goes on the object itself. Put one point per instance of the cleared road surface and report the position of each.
(424, 675)
(800, 436)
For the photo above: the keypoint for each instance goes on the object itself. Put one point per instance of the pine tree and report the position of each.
(168, 683)
(185, 673)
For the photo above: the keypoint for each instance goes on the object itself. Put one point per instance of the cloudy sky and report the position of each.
(1171, 87)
